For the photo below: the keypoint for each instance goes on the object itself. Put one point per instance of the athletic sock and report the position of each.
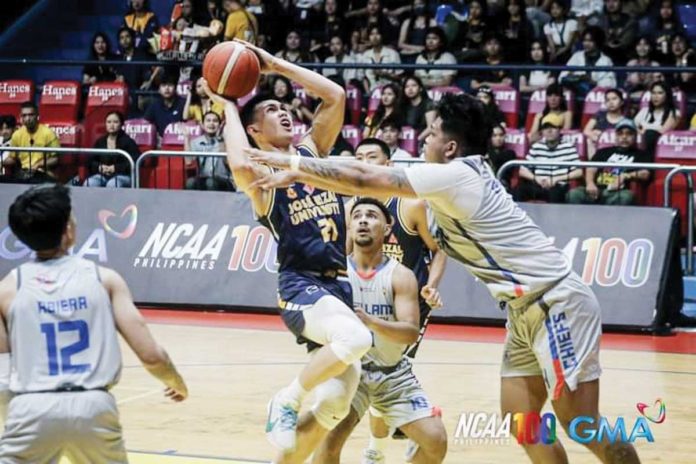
(295, 393)
(378, 444)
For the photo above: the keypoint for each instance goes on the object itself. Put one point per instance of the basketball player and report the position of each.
(386, 300)
(554, 327)
(309, 226)
(60, 315)
(411, 244)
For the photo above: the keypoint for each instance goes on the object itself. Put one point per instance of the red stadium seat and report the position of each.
(171, 171)
(298, 131)
(674, 147)
(408, 140)
(60, 101)
(508, 100)
(436, 93)
(144, 133)
(373, 102)
(13, 93)
(516, 140)
(70, 136)
(352, 134)
(679, 103)
(594, 102)
(576, 137)
(537, 103)
(102, 99)
(354, 102)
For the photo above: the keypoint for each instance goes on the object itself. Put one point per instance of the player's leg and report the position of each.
(345, 339)
(431, 437)
(329, 451)
(522, 387)
(568, 348)
(379, 437)
(333, 404)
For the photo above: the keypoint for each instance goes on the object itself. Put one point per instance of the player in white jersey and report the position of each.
(385, 295)
(554, 326)
(60, 315)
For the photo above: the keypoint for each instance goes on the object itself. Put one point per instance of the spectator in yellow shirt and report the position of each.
(143, 21)
(240, 23)
(32, 166)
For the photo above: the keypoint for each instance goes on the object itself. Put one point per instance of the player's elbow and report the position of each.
(411, 335)
(153, 358)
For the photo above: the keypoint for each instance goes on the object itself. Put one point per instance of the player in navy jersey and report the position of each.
(411, 244)
(308, 223)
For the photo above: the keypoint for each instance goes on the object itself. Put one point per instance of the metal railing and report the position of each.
(72, 151)
(170, 154)
(685, 171)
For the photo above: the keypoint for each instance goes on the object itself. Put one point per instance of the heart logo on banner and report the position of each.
(658, 417)
(126, 222)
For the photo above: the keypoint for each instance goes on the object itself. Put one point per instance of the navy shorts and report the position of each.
(301, 290)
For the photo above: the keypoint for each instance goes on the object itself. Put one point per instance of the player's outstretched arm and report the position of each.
(134, 330)
(328, 117)
(405, 329)
(244, 171)
(344, 177)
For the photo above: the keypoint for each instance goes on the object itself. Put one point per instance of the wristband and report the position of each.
(295, 163)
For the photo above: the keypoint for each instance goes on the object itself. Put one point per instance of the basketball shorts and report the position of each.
(556, 337)
(300, 291)
(81, 426)
(395, 394)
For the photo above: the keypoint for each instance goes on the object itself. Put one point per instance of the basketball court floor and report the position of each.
(234, 363)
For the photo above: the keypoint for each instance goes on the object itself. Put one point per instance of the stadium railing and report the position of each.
(63, 151)
(672, 168)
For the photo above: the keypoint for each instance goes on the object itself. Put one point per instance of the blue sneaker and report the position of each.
(281, 427)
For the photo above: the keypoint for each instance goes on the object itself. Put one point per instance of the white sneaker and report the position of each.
(281, 427)
(371, 456)
(411, 450)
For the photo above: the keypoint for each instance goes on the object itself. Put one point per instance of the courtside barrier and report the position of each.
(205, 250)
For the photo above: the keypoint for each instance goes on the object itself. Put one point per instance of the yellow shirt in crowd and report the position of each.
(43, 137)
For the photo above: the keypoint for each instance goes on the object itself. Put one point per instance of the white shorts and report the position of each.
(556, 337)
(81, 426)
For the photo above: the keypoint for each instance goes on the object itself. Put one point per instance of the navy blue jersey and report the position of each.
(406, 246)
(309, 225)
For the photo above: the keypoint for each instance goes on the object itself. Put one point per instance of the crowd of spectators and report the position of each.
(585, 33)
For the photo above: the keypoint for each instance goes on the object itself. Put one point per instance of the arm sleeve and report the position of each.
(454, 188)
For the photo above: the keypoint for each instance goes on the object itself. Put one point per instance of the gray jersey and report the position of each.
(484, 229)
(61, 328)
(375, 295)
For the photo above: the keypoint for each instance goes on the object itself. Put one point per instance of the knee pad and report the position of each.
(352, 343)
(334, 397)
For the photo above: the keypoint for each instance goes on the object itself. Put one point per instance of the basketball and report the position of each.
(231, 69)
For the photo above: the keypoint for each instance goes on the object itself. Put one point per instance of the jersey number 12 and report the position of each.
(64, 365)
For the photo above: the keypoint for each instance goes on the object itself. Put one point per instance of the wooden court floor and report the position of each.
(234, 363)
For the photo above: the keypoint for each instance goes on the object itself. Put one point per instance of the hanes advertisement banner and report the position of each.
(205, 249)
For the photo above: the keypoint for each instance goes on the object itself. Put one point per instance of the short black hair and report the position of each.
(29, 104)
(391, 122)
(375, 202)
(374, 141)
(249, 108)
(211, 112)
(169, 79)
(8, 120)
(39, 216)
(127, 29)
(465, 120)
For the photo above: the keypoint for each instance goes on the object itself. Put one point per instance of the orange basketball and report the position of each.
(231, 69)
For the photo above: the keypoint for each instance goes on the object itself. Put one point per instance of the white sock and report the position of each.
(295, 393)
(378, 444)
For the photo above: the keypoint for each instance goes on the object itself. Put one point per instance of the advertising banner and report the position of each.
(205, 250)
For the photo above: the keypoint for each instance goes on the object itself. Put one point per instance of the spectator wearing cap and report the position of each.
(494, 56)
(611, 186)
(590, 56)
(435, 54)
(390, 129)
(168, 107)
(549, 183)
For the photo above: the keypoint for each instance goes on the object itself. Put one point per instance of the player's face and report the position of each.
(437, 145)
(625, 138)
(273, 124)
(368, 225)
(371, 154)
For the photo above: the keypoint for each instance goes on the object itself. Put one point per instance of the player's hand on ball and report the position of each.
(431, 296)
(212, 95)
(265, 58)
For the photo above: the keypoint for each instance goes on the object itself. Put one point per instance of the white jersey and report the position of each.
(61, 328)
(375, 295)
(484, 229)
